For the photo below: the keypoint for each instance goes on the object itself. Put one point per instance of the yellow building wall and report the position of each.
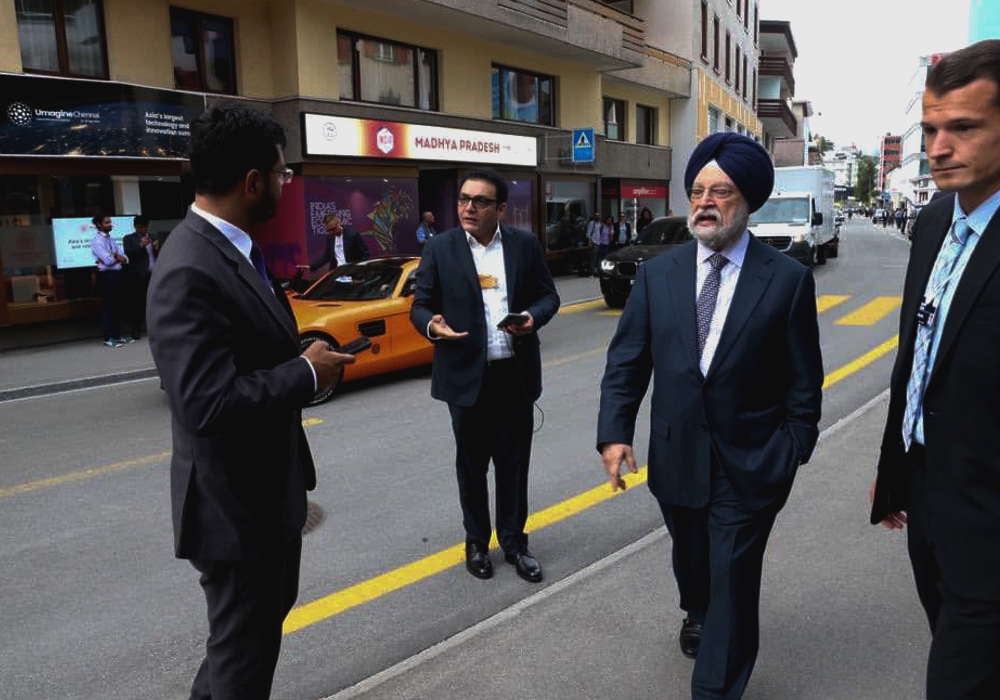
(635, 95)
(712, 92)
(10, 47)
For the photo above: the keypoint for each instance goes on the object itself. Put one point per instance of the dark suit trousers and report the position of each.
(718, 555)
(498, 427)
(247, 604)
(134, 288)
(110, 282)
(964, 660)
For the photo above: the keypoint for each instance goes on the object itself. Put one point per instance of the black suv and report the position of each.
(618, 269)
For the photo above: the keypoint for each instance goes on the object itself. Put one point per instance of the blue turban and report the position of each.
(744, 160)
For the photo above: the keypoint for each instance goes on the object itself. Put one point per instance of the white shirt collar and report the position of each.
(734, 253)
(234, 234)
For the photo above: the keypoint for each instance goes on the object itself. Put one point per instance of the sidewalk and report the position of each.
(63, 364)
(839, 619)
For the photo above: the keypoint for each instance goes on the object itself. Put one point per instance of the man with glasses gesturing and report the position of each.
(483, 292)
(728, 327)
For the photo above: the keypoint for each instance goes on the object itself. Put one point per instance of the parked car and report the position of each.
(372, 299)
(619, 268)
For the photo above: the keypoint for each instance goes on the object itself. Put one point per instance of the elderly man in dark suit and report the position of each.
(727, 326)
(939, 467)
(342, 245)
(487, 366)
(225, 344)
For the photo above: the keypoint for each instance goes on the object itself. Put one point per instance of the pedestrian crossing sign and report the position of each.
(583, 145)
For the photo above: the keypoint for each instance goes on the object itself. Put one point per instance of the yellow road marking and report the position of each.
(582, 306)
(107, 469)
(871, 313)
(610, 312)
(861, 362)
(825, 302)
(378, 586)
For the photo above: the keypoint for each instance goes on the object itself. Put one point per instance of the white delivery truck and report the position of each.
(798, 218)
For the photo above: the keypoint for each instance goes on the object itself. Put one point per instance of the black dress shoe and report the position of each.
(477, 560)
(690, 638)
(527, 566)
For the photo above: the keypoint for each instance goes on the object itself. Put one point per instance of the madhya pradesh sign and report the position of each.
(326, 135)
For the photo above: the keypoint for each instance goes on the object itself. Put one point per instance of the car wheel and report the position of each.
(323, 394)
(821, 254)
(833, 249)
(615, 301)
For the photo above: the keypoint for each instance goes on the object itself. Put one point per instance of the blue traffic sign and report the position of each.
(583, 145)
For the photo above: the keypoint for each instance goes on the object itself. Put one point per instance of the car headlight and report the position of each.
(608, 265)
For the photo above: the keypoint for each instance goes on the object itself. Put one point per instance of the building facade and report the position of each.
(386, 104)
(890, 152)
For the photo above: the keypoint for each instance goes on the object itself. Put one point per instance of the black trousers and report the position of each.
(110, 282)
(964, 659)
(133, 303)
(718, 555)
(247, 604)
(498, 427)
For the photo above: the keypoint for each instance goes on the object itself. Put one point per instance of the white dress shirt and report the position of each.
(728, 277)
(489, 262)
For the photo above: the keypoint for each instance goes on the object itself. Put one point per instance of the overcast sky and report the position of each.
(857, 57)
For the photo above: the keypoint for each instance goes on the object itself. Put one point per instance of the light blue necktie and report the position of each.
(941, 275)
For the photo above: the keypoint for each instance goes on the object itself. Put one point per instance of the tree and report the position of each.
(823, 144)
(865, 184)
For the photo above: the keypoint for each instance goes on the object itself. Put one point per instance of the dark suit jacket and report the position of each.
(759, 405)
(227, 352)
(354, 250)
(961, 402)
(447, 284)
(138, 258)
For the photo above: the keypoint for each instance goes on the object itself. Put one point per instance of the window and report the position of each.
(386, 72)
(729, 124)
(756, 25)
(729, 53)
(64, 37)
(645, 124)
(746, 14)
(714, 116)
(523, 97)
(736, 73)
(744, 78)
(716, 62)
(704, 31)
(620, 5)
(614, 119)
(204, 51)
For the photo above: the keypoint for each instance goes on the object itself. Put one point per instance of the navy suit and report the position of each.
(491, 407)
(355, 250)
(951, 488)
(227, 352)
(724, 448)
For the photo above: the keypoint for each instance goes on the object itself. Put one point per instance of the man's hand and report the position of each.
(439, 328)
(326, 362)
(520, 329)
(613, 455)
(893, 521)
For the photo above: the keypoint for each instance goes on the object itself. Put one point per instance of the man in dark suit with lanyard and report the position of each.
(342, 246)
(227, 351)
(487, 367)
(727, 328)
(939, 467)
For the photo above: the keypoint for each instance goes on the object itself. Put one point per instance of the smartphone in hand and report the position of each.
(513, 320)
(359, 344)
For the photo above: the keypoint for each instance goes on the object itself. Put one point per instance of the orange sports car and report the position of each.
(372, 299)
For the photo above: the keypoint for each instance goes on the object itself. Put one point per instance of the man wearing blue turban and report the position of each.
(728, 327)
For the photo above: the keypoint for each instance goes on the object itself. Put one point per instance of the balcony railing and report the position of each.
(778, 109)
(778, 66)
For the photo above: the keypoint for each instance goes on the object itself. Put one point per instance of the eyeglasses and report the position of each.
(477, 202)
(717, 193)
(285, 175)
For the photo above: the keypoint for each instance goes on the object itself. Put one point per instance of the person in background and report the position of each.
(227, 351)
(109, 259)
(487, 367)
(726, 328)
(342, 245)
(598, 243)
(141, 253)
(938, 472)
(425, 231)
(645, 216)
(622, 233)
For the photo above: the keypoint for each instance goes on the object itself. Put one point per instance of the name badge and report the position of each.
(488, 282)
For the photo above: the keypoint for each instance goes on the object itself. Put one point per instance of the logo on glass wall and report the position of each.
(384, 140)
(329, 131)
(19, 113)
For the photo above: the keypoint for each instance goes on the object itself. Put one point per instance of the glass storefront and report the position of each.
(45, 232)
(568, 206)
